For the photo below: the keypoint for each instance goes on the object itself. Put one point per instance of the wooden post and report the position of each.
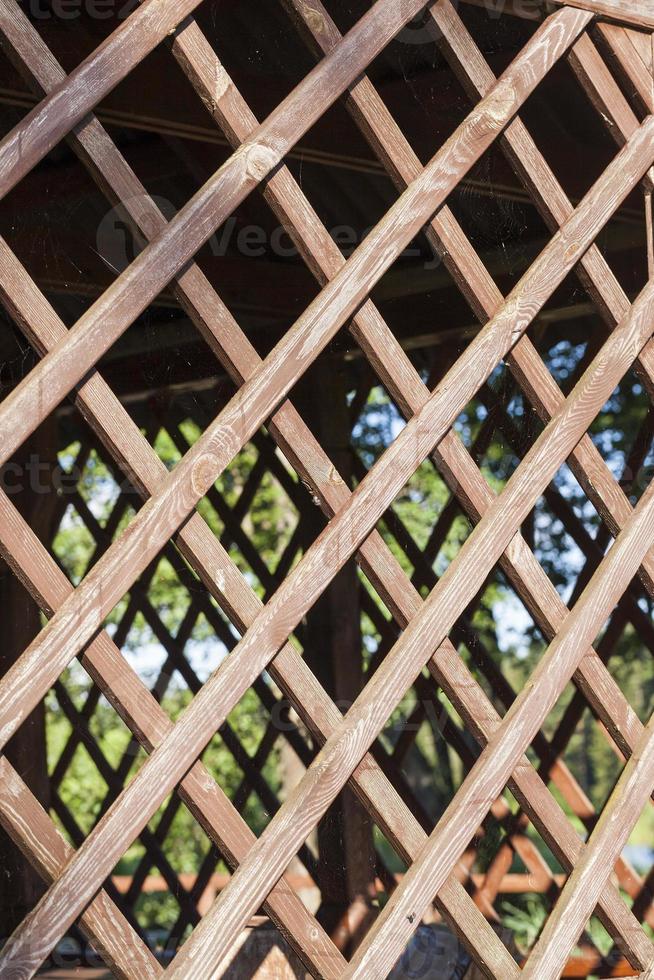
(334, 654)
(28, 483)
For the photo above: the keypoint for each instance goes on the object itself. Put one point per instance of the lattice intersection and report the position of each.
(420, 646)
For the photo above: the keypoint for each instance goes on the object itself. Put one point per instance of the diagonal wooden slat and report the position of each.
(149, 721)
(232, 121)
(133, 39)
(95, 401)
(450, 597)
(523, 718)
(555, 207)
(25, 563)
(157, 264)
(483, 720)
(267, 386)
(403, 381)
(143, 714)
(22, 306)
(177, 43)
(636, 12)
(87, 85)
(25, 307)
(628, 61)
(23, 818)
(468, 271)
(355, 515)
(614, 826)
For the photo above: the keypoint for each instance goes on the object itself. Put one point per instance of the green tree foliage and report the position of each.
(499, 632)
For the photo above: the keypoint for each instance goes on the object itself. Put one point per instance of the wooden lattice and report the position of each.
(427, 625)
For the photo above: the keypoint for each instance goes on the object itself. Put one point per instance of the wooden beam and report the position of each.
(629, 54)
(346, 870)
(637, 13)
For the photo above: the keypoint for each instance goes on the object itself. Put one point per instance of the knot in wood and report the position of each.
(499, 105)
(220, 85)
(204, 473)
(314, 19)
(259, 161)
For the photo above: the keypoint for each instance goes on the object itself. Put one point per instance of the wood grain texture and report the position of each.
(577, 25)
(35, 135)
(639, 13)
(156, 265)
(141, 712)
(459, 256)
(596, 276)
(448, 600)
(523, 571)
(482, 718)
(609, 837)
(161, 516)
(104, 662)
(352, 517)
(136, 705)
(403, 381)
(544, 686)
(131, 451)
(26, 308)
(30, 827)
(621, 43)
(200, 63)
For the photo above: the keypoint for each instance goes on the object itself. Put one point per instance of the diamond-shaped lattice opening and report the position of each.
(590, 756)
(577, 758)
(167, 881)
(144, 651)
(74, 769)
(425, 766)
(204, 649)
(502, 643)
(74, 545)
(623, 243)
(99, 488)
(376, 422)
(266, 66)
(344, 870)
(180, 618)
(252, 737)
(627, 646)
(499, 429)
(168, 597)
(622, 433)
(50, 220)
(514, 876)
(378, 632)
(162, 349)
(423, 305)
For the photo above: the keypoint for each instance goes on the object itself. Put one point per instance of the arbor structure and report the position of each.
(296, 509)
